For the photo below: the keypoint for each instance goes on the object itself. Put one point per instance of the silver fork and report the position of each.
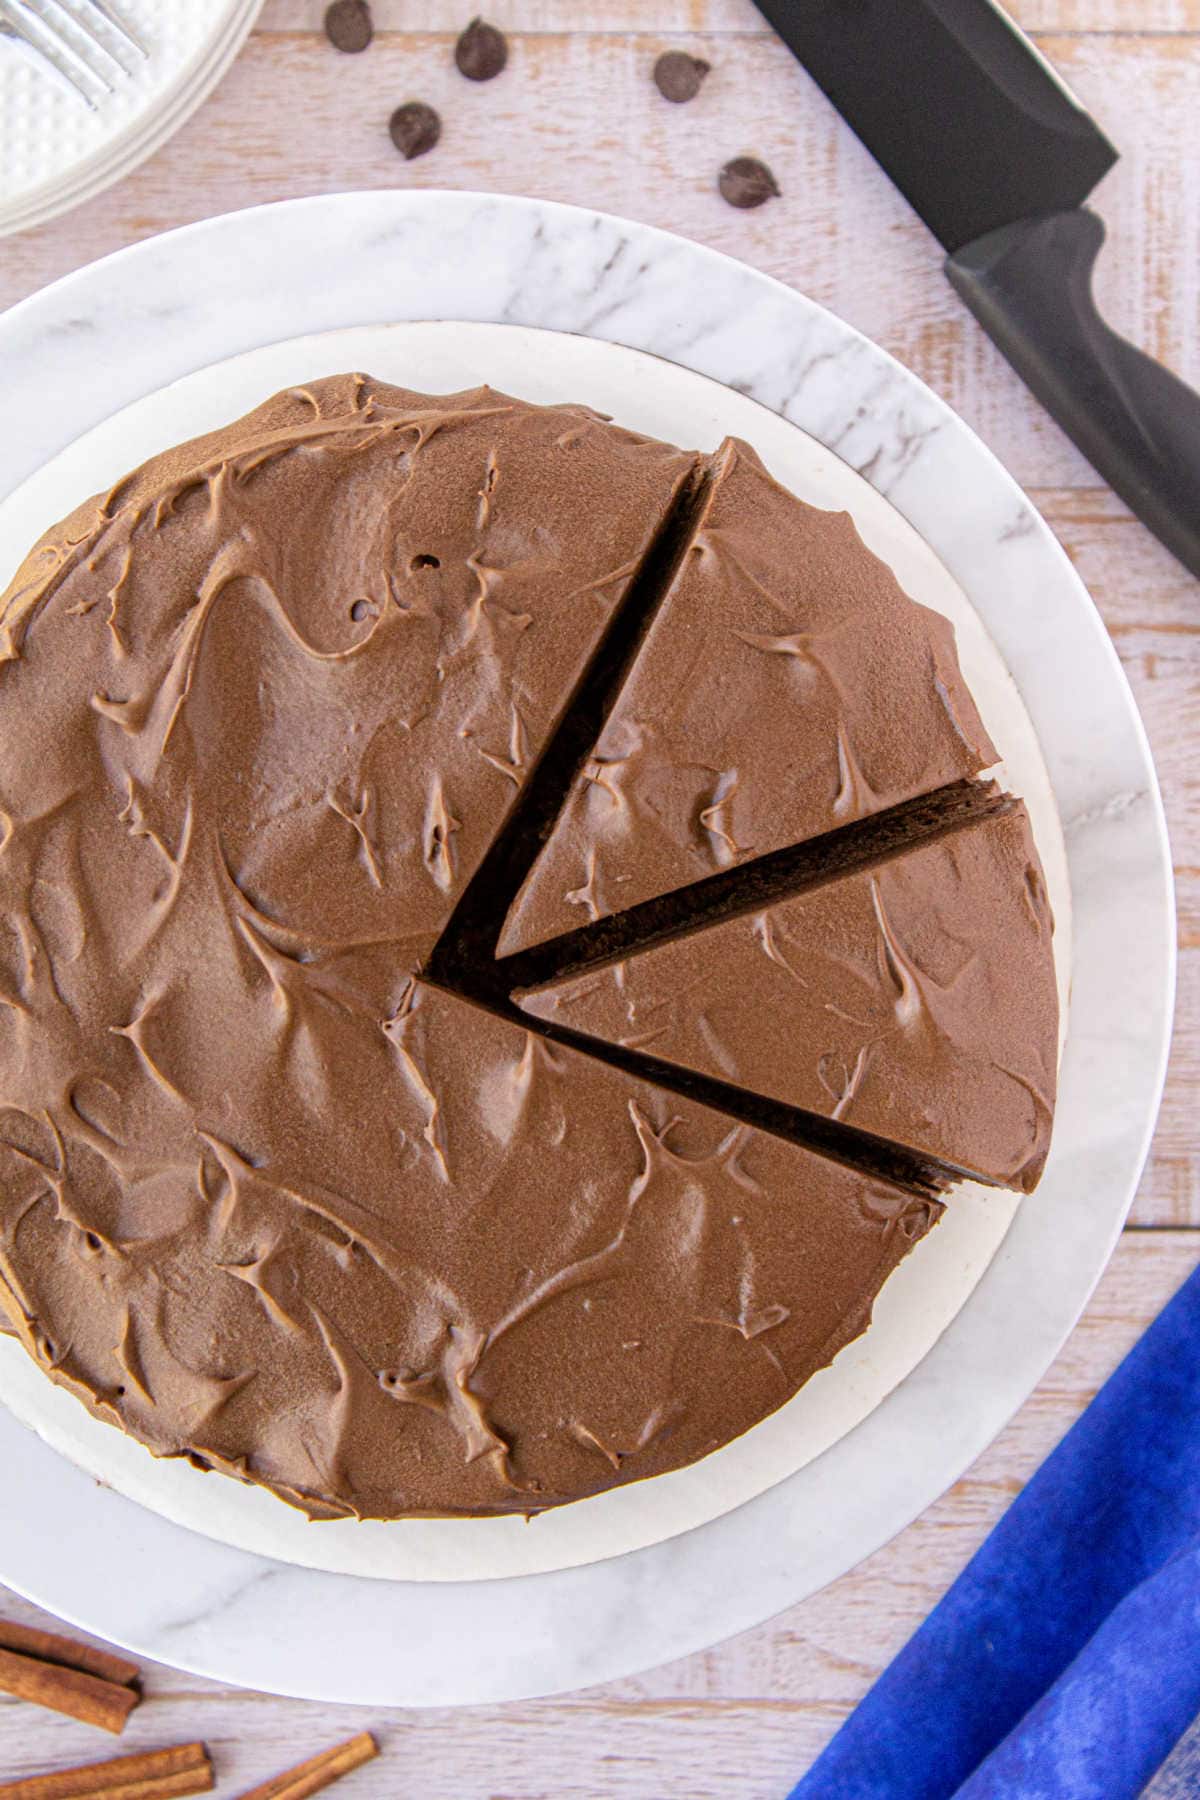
(92, 17)
(44, 28)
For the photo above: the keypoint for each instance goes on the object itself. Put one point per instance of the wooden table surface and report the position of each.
(575, 117)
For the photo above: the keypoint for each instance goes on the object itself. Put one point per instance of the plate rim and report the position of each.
(227, 1641)
(144, 134)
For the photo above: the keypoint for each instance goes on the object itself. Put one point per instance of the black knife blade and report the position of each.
(974, 128)
(997, 156)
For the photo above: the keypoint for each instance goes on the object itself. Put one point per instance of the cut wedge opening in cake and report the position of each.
(923, 1177)
(464, 955)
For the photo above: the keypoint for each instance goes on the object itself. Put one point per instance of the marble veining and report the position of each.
(102, 337)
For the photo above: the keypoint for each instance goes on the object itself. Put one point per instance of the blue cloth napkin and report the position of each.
(1064, 1663)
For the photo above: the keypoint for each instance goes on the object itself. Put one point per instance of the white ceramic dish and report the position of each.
(55, 152)
(930, 1287)
(246, 280)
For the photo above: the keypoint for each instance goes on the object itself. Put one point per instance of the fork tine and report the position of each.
(78, 15)
(119, 25)
(11, 23)
(45, 31)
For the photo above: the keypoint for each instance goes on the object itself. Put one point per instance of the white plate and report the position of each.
(56, 153)
(930, 1287)
(178, 303)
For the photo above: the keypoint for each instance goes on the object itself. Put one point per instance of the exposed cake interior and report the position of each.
(787, 686)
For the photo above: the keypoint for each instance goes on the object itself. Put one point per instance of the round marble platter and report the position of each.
(115, 332)
(931, 1285)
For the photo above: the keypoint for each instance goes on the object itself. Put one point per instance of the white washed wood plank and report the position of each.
(1170, 1189)
(1152, 608)
(744, 1718)
(688, 1750)
(577, 118)
(682, 16)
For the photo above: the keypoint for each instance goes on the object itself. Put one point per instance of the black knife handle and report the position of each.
(1030, 287)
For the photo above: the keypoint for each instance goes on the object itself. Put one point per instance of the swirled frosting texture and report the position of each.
(341, 629)
(464, 1272)
(917, 1001)
(265, 1199)
(787, 685)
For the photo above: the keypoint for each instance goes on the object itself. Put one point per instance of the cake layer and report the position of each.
(785, 686)
(390, 1254)
(916, 1000)
(340, 630)
(750, 886)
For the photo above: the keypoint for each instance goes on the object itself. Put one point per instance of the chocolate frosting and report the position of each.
(786, 686)
(341, 630)
(431, 1264)
(266, 1200)
(916, 1001)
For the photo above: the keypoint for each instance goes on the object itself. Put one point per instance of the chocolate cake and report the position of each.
(289, 1184)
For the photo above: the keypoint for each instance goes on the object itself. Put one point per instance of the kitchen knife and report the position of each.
(997, 156)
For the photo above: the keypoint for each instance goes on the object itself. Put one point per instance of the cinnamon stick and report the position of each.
(310, 1777)
(30, 1641)
(153, 1775)
(67, 1690)
(152, 1787)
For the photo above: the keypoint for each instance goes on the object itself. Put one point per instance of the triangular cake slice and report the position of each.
(346, 625)
(916, 1000)
(786, 685)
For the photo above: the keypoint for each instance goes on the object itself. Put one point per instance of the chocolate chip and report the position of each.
(747, 182)
(348, 25)
(415, 128)
(678, 76)
(481, 51)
